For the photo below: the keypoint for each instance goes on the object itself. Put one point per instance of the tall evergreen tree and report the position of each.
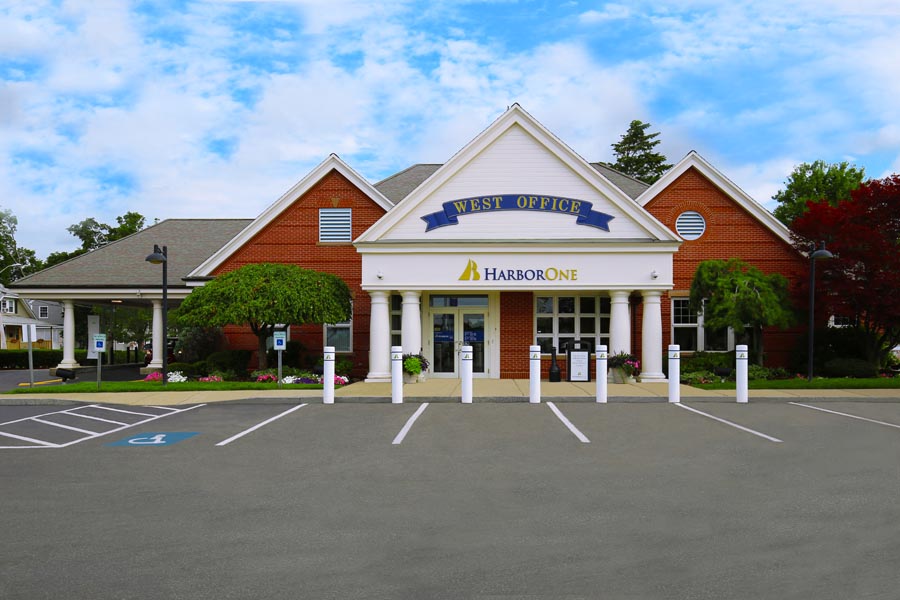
(635, 156)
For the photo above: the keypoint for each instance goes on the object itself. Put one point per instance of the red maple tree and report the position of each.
(862, 281)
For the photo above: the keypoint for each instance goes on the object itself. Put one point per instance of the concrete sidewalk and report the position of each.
(448, 390)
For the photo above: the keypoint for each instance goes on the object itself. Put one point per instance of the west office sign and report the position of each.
(453, 209)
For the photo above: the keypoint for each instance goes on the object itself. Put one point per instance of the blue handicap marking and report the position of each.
(155, 439)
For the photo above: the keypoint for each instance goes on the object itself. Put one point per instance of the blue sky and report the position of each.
(214, 109)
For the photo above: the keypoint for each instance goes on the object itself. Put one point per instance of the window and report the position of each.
(339, 335)
(689, 331)
(564, 318)
(43, 312)
(690, 225)
(335, 225)
(396, 319)
(9, 305)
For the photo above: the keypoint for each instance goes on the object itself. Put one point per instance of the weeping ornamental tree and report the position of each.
(733, 293)
(263, 295)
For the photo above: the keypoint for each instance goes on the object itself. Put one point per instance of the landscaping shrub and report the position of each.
(196, 343)
(707, 361)
(43, 359)
(695, 377)
(186, 368)
(235, 361)
(850, 367)
(291, 356)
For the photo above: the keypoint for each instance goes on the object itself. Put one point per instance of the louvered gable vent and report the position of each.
(335, 225)
(690, 225)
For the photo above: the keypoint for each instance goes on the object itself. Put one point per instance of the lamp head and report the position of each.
(821, 252)
(158, 256)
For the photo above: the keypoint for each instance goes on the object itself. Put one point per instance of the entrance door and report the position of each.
(454, 328)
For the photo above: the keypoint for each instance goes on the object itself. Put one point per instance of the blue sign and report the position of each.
(567, 206)
(143, 440)
(443, 336)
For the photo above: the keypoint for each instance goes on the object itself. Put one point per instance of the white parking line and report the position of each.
(834, 412)
(89, 435)
(85, 431)
(258, 425)
(581, 437)
(75, 414)
(735, 425)
(409, 423)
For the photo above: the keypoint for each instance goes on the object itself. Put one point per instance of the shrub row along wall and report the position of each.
(43, 359)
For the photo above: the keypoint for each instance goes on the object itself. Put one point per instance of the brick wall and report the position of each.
(731, 232)
(293, 238)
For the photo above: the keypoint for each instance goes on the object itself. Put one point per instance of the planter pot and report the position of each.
(618, 375)
(410, 377)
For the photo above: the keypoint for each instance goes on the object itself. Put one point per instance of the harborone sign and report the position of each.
(473, 273)
(453, 209)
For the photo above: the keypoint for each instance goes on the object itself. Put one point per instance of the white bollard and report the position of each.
(742, 358)
(602, 384)
(534, 375)
(674, 373)
(327, 375)
(465, 368)
(397, 374)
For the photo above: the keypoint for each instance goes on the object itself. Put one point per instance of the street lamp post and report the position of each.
(813, 257)
(162, 257)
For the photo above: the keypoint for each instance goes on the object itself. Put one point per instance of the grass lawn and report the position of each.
(156, 386)
(818, 383)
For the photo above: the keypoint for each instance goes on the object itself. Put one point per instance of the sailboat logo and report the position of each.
(471, 273)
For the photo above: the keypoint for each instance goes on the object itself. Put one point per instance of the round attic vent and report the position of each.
(690, 225)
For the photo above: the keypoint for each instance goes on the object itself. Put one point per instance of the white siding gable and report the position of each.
(517, 163)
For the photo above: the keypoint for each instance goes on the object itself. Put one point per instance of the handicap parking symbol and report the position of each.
(155, 439)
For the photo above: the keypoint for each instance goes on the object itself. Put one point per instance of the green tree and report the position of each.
(263, 295)
(635, 156)
(11, 253)
(733, 293)
(816, 181)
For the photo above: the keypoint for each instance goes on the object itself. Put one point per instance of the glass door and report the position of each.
(451, 330)
(473, 335)
(444, 325)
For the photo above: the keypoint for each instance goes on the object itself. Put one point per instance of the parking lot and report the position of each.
(443, 500)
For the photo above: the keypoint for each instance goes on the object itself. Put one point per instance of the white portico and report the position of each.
(515, 241)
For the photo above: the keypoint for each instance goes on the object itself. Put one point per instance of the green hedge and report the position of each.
(43, 359)
(850, 367)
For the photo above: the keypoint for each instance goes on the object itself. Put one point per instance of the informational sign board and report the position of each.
(579, 362)
(93, 322)
(280, 340)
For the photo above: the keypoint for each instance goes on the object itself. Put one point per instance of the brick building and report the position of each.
(514, 241)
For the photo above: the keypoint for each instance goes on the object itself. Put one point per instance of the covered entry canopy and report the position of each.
(119, 272)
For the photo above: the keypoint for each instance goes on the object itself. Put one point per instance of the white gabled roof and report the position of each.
(727, 186)
(517, 116)
(332, 163)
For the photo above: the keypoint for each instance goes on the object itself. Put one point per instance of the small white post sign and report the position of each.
(279, 342)
(99, 346)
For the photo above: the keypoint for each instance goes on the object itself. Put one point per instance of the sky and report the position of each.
(199, 109)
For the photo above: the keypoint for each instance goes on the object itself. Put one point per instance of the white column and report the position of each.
(411, 323)
(380, 338)
(619, 322)
(651, 338)
(159, 345)
(68, 361)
